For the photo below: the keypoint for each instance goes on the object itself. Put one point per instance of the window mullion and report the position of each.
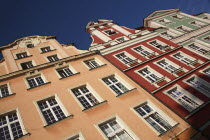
(87, 98)
(50, 107)
(9, 127)
(157, 122)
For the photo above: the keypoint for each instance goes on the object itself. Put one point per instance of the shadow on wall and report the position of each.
(201, 118)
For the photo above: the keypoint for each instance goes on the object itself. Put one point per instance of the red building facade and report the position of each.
(176, 76)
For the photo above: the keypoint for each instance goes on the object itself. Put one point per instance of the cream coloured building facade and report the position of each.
(57, 92)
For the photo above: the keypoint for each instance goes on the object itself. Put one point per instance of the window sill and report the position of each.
(8, 95)
(168, 130)
(23, 57)
(98, 67)
(47, 51)
(69, 76)
(94, 106)
(27, 134)
(48, 125)
(39, 85)
(126, 92)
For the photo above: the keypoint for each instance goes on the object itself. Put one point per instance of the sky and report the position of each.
(67, 19)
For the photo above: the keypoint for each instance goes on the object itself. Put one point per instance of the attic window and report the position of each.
(110, 32)
(30, 45)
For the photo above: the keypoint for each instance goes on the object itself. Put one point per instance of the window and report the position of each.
(160, 45)
(35, 81)
(151, 116)
(51, 110)
(185, 58)
(53, 58)
(199, 84)
(77, 137)
(122, 39)
(115, 85)
(207, 71)
(26, 65)
(64, 72)
(167, 35)
(114, 130)
(184, 29)
(197, 23)
(85, 96)
(198, 48)
(207, 39)
(126, 58)
(21, 55)
(144, 51)
(110, 32)
(178, 17)
(164, 21)
(184, 98)
(46, 49)
(169, 66)
(91, 63)
(30, 45)
(10, 126)
(4, 91)
(151, 75)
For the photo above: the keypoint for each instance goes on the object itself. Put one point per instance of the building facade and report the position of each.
(57, 92)
(162, 60)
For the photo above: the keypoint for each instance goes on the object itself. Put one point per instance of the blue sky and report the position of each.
(66, 19)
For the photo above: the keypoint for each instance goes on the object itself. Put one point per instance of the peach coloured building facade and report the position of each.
(56, 92)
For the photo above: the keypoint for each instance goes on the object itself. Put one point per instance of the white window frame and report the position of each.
(179, 17)
(178, 68)
(144, 49)
(91, 91)
(8, 88)
(60, 104)
(19, 120)
(125, 39)
(64, 66)
(197, 49)
(194, 60)
(28, 67)
(207, 68)
(203, 82)
(119, 80)
(186, 29)
(75, 136)
(123, 127)
(155, 109)
(165, 21)
(53, 58)
(35, 74)
(111, 31)
(51, 48)
(169, 35)
(197, 23)
(185, 93)
(27, 53)
(152, 71)
(128, 56)
(166, 46)
(92, 66)
(206, 37)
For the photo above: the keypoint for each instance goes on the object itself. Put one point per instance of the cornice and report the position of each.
(23, 38)
(45, 65)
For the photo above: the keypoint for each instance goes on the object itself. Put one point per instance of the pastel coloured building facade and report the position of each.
(52, 91)
(174, 74)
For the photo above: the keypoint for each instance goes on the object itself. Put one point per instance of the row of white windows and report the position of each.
(29, 64)
(25, 54)
(168, 65)
(11, 125)
(87, 99)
